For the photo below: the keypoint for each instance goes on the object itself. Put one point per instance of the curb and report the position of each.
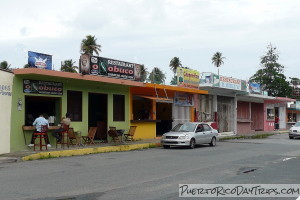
(78, 152)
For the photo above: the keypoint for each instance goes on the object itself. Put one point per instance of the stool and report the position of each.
(41, 136)
(64, 137)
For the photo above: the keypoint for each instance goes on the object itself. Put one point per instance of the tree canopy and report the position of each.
(89, 45)
(4, 65)
(174, 64)
(68, 66)
(271, 75)
(156, 76)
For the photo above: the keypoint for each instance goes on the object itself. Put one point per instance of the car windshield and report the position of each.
(297, 124)
(186, 127)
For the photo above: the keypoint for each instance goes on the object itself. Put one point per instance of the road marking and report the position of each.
(289, 159)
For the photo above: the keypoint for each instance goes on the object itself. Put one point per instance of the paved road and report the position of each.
(153, 173)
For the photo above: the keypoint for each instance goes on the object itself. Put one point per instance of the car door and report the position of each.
(208, 133)
(199, 134)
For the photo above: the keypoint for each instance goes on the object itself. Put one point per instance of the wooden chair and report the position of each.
(64, 137)
(41, 136)
(73, 138)
(113, 134)
(89, 139)
(130, 134)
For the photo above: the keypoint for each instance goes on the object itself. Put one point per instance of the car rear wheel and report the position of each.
(192, 143)
(166, 146)
(213, 142)
(291, 137)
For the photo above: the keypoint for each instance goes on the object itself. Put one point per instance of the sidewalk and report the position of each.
(76, 150)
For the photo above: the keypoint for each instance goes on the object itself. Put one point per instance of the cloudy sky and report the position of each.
(152, 32)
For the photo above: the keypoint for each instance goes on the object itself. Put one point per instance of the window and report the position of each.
(141, 108)
(74, 105)
(119, 108)
(206, 127)
(270, 114)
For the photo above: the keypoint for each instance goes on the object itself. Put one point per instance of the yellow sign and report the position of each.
(187, 78)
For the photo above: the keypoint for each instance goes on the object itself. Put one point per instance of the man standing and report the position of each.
(65, 121)
(38, 123)
(276, 123)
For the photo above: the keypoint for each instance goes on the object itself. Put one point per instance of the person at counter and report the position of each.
(65, 121)
(38, 123)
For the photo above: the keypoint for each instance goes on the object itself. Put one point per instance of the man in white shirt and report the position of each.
(38, 123)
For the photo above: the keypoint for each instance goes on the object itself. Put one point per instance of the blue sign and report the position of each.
(39, 60)
(254, 88)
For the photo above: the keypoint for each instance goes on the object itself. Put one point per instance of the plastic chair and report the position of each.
(41, 136)
(130, 134)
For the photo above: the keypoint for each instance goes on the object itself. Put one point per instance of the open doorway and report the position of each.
(164, 114)
(36, 105)
(98, 114)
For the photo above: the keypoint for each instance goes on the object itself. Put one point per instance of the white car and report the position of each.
(190, 134)
(295, 131)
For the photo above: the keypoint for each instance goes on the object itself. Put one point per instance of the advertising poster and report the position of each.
(39, 60)
(254, 88)
(187, 78)
(182, 99)
(42, 87)
(84, 66)
(114, 68)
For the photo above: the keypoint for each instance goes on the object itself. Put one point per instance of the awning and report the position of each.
(158, 99)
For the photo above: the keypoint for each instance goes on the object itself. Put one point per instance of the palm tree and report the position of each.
(26, 66)
(68, 66)
(4, 65)
(157, 76)
(89, 45)
(217, 60)
(144, 73)
(174, 64)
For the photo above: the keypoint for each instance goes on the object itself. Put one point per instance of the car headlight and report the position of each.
(184, 137)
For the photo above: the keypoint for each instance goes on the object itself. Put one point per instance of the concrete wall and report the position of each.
(6, 85)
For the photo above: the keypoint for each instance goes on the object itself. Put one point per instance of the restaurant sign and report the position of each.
(230, 83)
(187, 78)
(42, 87)
(110, 67)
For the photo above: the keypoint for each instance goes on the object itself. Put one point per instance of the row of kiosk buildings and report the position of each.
(103, 100)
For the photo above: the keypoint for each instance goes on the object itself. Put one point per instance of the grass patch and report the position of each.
(258, 136)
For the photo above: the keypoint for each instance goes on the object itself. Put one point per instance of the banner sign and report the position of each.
(42, 87)
(230, 83)
(187, 78)
(182, 99)
(39, 60)
(94, 65)
(254, 88)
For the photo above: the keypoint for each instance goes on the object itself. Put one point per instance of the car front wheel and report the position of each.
(192, 143)
(291, 137)
(213, 142)
(166, 146)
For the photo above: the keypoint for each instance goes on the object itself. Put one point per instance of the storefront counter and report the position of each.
(32, 128)
(146, 129)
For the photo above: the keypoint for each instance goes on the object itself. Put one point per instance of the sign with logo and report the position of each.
(42, 87)
(187, 78)
(254, 88)
(39, 60)
(182, 99)
(114, 68)
(230, 83)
